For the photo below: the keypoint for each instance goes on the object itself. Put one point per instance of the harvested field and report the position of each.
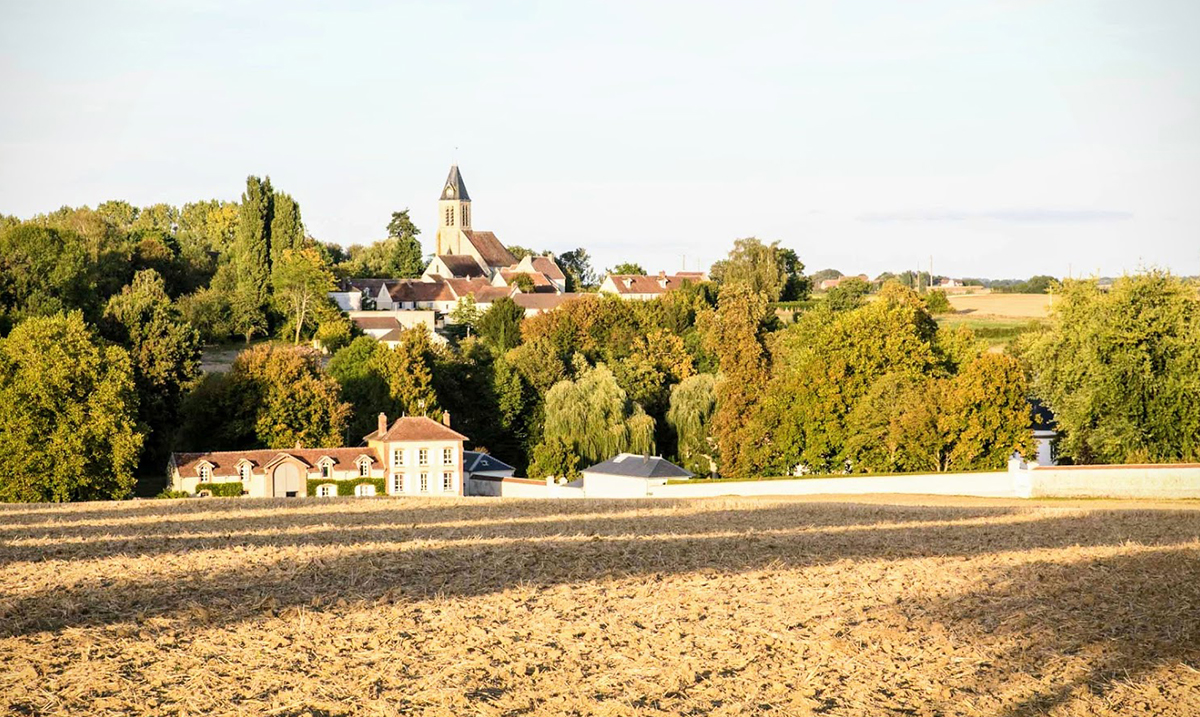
(863, 606)
(1011, 306)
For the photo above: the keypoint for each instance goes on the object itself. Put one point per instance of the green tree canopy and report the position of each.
(68, 413)
(1119, 370)
(693, 405)
(302, 281)
(596, 418)
(756, 265)
(627, 267)
(500, 325)
(849, 294)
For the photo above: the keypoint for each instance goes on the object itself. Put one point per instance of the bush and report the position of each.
(937, 303)
(221, 490)
(174, 494)
(346, 487)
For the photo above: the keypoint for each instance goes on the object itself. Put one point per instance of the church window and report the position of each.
(449, 216)
(466, 215)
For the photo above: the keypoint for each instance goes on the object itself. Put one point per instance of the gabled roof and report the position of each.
(488, 294)
(416, 428)
(378, 323)
(455, 181)
(638, 466)
(539, 279)
(461, 266)
(548, 266)
(369, 285)
(490, 249)
(225, 462)
(463, 287)
(476, 462)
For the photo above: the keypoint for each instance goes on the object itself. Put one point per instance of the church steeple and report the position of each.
(455, 187)
(454, 213)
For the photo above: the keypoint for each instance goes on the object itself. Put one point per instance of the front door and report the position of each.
(287, 481)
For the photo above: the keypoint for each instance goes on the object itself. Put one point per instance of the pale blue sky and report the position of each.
(1004, 138)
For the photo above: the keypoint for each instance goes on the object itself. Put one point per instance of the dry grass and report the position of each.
(864, 606)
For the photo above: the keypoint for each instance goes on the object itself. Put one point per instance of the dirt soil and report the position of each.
(835, 606)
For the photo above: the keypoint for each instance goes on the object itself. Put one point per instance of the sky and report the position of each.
(994, 138)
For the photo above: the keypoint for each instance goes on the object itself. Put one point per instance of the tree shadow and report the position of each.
(1075, 629)
(397, 563)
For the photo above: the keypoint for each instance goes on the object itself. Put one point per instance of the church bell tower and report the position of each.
(454, 213)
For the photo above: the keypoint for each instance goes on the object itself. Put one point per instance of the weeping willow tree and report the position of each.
(693, 402)
(593, 416)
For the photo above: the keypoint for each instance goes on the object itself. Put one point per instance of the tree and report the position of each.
(465, 313)
(165, 353)
(68, 412)
(364, 386)
(595, 417)
(847, 295)
(301, 280)
(753, 264)
(500, 325)
(577, 265)
(735, 335)
(253, 240)
(291, 400)
(43, 271)
(937, 302)
(796, 286)
(1118, 369)
(628, 267)
(693, 404)
(408, 370)
(554, 458)
(524, 282)
(287, 230)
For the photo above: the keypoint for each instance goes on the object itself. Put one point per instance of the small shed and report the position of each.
(484, 473)
(629, 475)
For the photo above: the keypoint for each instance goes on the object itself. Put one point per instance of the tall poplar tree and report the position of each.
(252, 255)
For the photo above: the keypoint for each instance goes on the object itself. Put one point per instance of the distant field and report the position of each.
(1014, 306)
(867, 606)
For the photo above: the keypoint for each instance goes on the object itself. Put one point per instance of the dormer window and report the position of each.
(326, 469)
(364, 467)
(205, 473)
(243, 471)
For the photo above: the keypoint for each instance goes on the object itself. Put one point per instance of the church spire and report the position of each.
(455, 188)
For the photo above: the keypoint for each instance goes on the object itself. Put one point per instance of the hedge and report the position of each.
(346, 487)
(223, 490)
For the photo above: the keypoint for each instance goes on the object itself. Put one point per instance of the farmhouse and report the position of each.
(412, 456)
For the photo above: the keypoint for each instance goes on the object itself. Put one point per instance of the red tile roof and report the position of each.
(642, 284)
(538, 278)
(543, 302)
(490, 248)
(416, 428)
(367, 323)
(416, 290)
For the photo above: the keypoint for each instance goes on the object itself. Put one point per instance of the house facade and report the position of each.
(412, 456)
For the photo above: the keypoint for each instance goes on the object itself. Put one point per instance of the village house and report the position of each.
(640, 287)
(414, 455)
(828, 284)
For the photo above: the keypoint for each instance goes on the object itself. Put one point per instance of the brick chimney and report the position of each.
(446, 419)
(382, 423)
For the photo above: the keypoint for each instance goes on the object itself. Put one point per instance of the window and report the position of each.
(449, 216)
(243, 472)
(424, 482)
(326, 491)
(397, 456)
(363, 490)
(326, 469)
(423, 456)
(364, 469)
(466, 215)
(205, 473)
(398, 483)
(447, 456)
(447, 481)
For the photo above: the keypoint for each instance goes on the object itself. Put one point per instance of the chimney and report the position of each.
(382, 423)
(446, 419)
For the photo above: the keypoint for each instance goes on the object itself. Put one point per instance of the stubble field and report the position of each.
(863, 606)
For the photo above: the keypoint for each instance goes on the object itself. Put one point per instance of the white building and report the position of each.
(628, 475)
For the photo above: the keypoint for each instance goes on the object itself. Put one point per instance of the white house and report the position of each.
(641, 287)
(412, 456)
(628, 475)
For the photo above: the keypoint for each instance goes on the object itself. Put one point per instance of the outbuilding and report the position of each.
(629, 475)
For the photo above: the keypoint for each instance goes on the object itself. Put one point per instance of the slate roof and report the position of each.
(476, 462)
(416, 428)
(461, 266)
(225, 462)
(490, 248)
(454, 180)
(638, 466)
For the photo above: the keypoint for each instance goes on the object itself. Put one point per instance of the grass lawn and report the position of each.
(845, 606)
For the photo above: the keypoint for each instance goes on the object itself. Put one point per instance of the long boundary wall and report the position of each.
(1124, 481)
(991, 485)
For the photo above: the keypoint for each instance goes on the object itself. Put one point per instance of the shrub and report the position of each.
(937, 303)
(174, 494)
(346, 487)
(221, 490)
